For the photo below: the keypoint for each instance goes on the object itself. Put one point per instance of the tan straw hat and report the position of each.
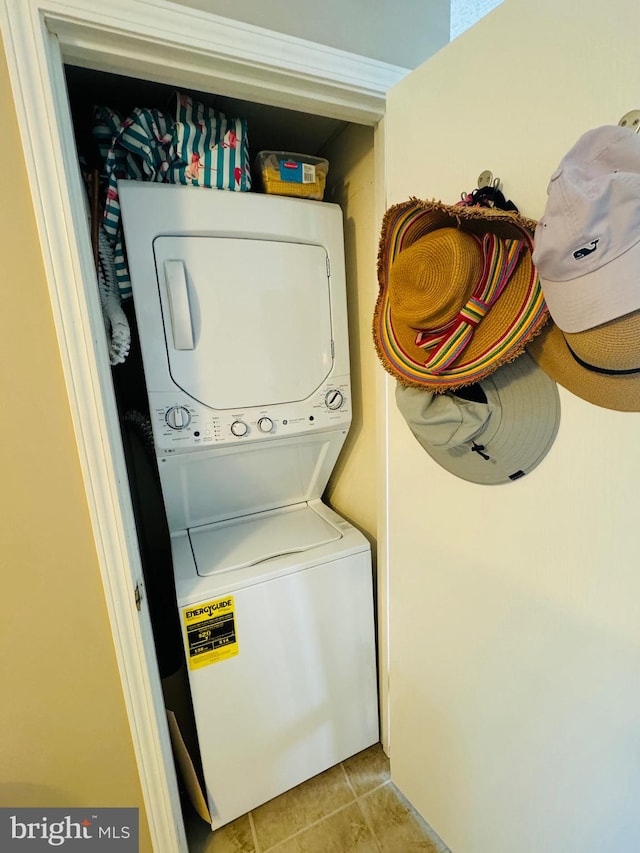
(587, 249)
(600, 365)
(459, 294)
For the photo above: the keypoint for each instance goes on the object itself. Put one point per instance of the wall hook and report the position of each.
(487, 194)
(486, 182)
(631, 120)
(486, 179)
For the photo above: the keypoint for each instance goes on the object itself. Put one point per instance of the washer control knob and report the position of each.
(333, 399)
(239, 428)
(177, 417)
(265, 424)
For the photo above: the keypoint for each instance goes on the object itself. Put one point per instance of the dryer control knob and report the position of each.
(177, 417)
(239, 428)
(333, 399)
(265, 424)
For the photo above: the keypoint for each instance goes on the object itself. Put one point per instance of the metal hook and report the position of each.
(486, 179)
(631, 120)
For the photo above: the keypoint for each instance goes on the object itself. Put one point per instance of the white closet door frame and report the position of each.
(165, 43)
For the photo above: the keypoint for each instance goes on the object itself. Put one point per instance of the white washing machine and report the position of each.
(241, 310)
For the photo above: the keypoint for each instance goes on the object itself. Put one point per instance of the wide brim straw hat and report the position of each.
(599, 365)
(430, 259)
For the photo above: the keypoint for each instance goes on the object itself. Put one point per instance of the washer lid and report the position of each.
(247, 322)
(245, 541)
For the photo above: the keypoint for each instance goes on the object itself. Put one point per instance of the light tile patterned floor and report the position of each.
(350, 808)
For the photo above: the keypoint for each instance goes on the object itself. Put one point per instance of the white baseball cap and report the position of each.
(587, 244)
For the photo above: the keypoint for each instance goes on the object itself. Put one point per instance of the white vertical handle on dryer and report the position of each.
(179, 304)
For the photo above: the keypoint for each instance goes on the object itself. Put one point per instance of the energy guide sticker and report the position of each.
(211, 632)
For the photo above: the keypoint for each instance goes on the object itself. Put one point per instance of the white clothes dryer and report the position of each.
(241, 310)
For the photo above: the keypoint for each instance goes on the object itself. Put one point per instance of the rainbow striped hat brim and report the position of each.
(518, 314)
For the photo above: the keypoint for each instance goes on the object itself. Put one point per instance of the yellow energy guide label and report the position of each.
(211, 631)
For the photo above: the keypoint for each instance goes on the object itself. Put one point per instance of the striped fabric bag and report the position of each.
(138, 148)
(212, 150)
(118, 163)
(200, 148)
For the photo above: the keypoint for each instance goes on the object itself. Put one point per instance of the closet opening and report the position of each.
(269, 129)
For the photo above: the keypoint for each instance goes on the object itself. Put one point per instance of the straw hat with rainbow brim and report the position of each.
(459, 293)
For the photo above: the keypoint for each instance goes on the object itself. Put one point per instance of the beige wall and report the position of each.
(352, 488)
(402, 32)
(64, 735)
(515, 631)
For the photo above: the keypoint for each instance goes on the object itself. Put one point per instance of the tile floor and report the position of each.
(350, 808)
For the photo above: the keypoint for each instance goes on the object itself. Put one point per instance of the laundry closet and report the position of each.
(269, 494)
(524, 708)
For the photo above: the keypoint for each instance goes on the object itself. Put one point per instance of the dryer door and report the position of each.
(247, 322)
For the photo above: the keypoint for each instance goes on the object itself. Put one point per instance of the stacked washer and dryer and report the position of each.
(241, 309)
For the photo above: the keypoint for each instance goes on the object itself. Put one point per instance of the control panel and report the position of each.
(182, 424)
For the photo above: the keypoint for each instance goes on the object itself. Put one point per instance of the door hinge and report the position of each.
(138, 597)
